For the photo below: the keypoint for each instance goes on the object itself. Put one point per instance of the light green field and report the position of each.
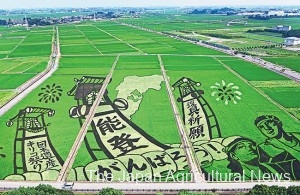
(250, 71)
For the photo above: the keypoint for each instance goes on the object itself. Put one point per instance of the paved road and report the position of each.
(33, 83)
(144, 187)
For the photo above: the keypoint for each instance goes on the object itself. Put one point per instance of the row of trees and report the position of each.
(256, 47)
(268, 17)
(222, 36)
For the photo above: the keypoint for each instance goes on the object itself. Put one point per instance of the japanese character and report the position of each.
(104, 173)
(41, 144)
(132, 165)
(109, 125)
(30, 144)
(124, 144)
(35, 161)
(50, 163)
(196, 132)
(161, 162)
(194, 120)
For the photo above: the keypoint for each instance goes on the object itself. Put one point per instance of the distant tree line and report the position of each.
(37, 22)
(225, 10)
(222, 36)
(255, 47)
(264, 30)
(268, 17)
(31, 22)
(290, 33)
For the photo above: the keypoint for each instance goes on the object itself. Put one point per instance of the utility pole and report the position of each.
(26, 23)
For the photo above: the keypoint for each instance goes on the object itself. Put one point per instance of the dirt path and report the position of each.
(80, 137)
(197, 174)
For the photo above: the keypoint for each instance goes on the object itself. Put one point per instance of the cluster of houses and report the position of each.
(288, 41)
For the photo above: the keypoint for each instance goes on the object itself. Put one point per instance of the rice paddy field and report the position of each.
(236, 115)
(23, 54)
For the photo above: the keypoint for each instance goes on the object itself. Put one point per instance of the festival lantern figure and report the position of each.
(199, 119)
(33, 150)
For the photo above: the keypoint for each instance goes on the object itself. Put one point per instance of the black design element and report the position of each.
(124, 143)
(121, 103)
(91, 85)
(188, 95)
(31, 127)
(50, 93)
(280, 148)
(247, 158)
(244, 159)
(2, 155)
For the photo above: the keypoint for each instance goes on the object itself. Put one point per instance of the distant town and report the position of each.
(43, 17)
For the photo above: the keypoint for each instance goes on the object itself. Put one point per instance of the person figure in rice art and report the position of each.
(287, 144)
(244, 158)
(280, 147)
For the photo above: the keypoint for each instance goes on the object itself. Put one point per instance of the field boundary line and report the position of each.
(27, 87)
(32, 66)
(6, 71)
(257, 89)
(16, 46)
(197, 173)
(81, 134)
(120, 40)
(91, 43)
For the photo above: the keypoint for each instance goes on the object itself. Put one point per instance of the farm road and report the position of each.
(80, 137)
(198, 177)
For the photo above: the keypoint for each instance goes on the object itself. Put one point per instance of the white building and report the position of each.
(290, 41)
(282, 28)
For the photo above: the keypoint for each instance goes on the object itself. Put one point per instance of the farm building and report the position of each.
(290, 41)
(282, 28)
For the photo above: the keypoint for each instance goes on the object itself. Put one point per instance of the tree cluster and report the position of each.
(272, 190)
(291, 33)
(3, 23)
(39, 190)
(37, 22)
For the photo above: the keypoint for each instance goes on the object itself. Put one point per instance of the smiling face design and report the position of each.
(269, 128)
